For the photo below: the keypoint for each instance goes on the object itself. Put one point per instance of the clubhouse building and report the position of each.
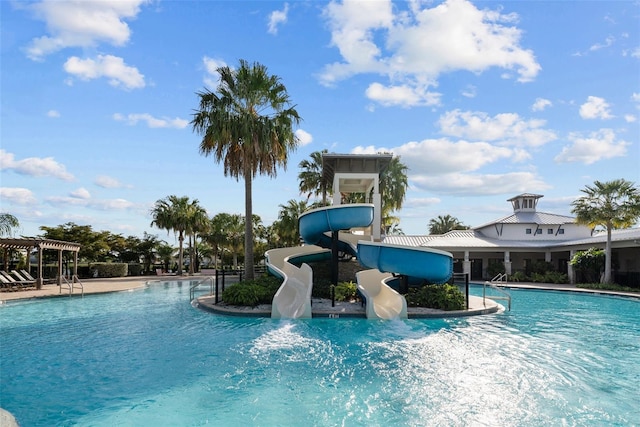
(527, 236)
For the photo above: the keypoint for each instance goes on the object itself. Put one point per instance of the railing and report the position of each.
(192, 290)
(493, 284)
(461, 280)
(75, 281)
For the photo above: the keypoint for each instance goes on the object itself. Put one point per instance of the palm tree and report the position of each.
(446, 223)
(613, 204)
(286, 226)
(8, 223)
(248, 126)
(393, 186)
(198, 223)
(313, 182)
(174, 213)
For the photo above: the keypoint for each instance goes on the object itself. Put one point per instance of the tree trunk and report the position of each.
(607, 257)
(180, 241)
(248, 225)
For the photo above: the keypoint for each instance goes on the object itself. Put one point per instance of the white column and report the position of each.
(507, 262)
(466, 264)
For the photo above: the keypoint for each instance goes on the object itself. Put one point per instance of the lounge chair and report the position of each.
(4, 282)
(14, 282)
(28, 276)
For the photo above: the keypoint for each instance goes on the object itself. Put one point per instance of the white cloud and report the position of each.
(412, 48)
(105, 181)
(403, 96)
(505, 128)
(34, 166)
(81, 193)
(607, 43)
(103, 205)
(152, 122)
(540, 104)
(480, 184)
(211, 65)
(276, 18)
(441, 156)
(470, 91)
(630, 118)
(82, 24)
(599, 145)
(18, 196)
(53, 114)
(111, 67)
(595, 108)
(304, 137)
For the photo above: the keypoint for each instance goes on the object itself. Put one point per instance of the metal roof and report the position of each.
(539, 218)
(463, 239)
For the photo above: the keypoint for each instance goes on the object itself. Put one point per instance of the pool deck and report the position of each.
(320, 307)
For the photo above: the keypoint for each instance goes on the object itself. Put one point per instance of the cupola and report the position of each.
(525, 202)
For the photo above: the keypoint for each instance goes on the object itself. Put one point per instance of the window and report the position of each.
(549, 230)
(528, 231)
(539, 231)
(561, 231)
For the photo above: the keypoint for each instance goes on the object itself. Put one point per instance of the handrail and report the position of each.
(192, 289)
(500, 277)
(70, 285)
(504, 294)
(77, 281)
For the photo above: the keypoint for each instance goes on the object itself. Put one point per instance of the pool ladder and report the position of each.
(192, 290)
(75, 282)
(493, 284)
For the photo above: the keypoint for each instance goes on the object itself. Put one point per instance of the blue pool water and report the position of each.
(148, 358)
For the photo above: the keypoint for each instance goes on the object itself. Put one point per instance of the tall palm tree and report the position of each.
(8, 223)
(445, 223)
(173, 213)
(613, 204)
(393, 186)
(248, 126)
(312, 179)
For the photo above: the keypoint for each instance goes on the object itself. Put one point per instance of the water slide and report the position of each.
(293, 299)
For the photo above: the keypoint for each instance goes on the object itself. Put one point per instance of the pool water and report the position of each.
(148, 358)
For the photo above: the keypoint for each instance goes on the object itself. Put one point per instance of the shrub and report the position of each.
(443, 297)
(252, 292)
(345, 291)
(518, 276)
(135, 269)
(494, 268)
(590, 263)
(109, 269)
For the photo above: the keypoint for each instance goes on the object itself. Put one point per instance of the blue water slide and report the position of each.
(316, 225)
(432, 265)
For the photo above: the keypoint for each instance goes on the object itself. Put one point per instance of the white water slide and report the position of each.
(293, 299)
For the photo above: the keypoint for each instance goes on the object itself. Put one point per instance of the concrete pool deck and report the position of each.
(320, 307)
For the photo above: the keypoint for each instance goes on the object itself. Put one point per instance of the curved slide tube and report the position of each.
(433, 265)
(293, 298)
(382, 302)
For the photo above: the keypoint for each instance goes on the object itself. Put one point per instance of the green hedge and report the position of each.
(443, 297)
(252, 292)
(109, 269)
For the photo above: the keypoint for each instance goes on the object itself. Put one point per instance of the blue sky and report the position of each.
(482, 101)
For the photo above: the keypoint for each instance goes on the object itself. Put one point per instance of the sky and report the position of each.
(482, 101)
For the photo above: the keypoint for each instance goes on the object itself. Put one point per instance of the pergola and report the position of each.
(41, 245)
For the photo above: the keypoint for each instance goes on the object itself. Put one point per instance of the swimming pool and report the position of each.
(147, 358)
